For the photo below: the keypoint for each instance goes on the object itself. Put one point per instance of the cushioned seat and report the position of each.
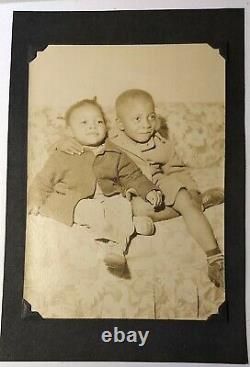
(167, 275)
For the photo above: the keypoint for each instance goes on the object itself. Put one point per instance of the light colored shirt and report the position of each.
(157, 156)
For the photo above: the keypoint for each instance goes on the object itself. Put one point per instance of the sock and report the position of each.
(213, 252)
(214, 255)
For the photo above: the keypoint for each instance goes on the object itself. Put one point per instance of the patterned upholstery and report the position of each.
(166, 279)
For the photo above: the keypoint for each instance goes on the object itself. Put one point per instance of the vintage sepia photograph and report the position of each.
(125, 191)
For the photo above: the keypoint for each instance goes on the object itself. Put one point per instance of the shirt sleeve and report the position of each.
(131, 177)
(44, 182)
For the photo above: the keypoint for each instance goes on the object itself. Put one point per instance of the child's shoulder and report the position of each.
(161, 138)
(58, 158)
(58, 154)
(110, 146)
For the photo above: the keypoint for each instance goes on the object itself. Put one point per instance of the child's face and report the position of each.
(87, 125)
(138, 119)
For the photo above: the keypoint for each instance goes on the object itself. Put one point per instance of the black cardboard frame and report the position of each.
(223, 337)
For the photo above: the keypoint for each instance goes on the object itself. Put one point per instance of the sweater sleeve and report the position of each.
(131, 177)
(43, 183)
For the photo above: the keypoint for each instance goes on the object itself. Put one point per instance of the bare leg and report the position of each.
(196, 222)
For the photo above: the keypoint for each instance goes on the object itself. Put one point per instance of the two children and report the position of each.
(91, 182)
(156, 158)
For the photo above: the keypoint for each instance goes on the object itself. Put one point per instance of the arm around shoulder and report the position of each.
(67, 145)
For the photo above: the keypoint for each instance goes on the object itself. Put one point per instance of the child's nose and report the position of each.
(93, 126)
(145, 123)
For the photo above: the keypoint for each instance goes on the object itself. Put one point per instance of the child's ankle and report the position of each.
(213, 252)
(214, 255)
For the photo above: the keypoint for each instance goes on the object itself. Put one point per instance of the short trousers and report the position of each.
(170, 184)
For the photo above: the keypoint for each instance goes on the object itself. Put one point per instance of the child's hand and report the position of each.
(61, 188)
(154, 197)
(70, 146)
(34, 210)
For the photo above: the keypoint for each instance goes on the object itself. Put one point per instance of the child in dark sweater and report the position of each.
(93, 183)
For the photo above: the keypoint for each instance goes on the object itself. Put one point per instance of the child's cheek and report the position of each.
(156, 125)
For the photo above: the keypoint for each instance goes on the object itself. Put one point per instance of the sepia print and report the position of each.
(125, 182)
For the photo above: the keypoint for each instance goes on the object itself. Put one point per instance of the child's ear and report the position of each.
(119, 123)
(158, 123)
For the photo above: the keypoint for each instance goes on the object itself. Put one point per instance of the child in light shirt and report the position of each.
(156, 157)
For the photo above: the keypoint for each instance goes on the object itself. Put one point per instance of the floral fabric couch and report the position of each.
(167, 275)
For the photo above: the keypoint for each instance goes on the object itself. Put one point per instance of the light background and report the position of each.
(6, 11)
(62, 75)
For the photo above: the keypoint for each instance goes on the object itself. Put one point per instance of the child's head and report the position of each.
(136, 116)
(87, 123)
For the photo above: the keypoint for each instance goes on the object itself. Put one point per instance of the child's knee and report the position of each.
(184, 202)
(196, 199)
(183, 195)
(141, 208)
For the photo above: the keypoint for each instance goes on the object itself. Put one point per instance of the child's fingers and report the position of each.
(160, 198)
(155, 201)
(154, 198)
(76, 146)
(151, 200)
(61, 188)
(73, 150)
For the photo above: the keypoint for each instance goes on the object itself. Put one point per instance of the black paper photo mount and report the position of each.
(25, 335)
